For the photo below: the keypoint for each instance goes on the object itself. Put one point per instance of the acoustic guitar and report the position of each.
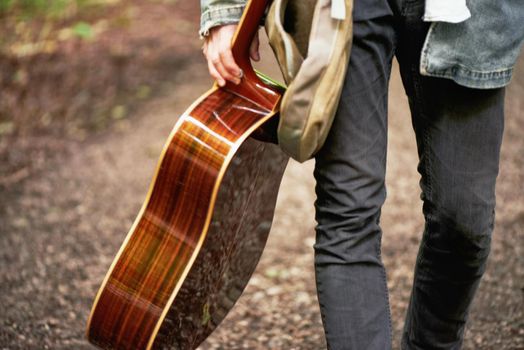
(204, 224)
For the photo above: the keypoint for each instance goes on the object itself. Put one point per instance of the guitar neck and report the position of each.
(245, 33)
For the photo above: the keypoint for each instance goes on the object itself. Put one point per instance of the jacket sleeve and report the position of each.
(219, 12)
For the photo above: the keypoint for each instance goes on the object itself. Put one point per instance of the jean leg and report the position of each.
(459, 134)
(349, 173)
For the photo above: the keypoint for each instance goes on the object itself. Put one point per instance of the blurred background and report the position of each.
(89, 91)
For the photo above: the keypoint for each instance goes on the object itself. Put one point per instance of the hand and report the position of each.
(220, 61)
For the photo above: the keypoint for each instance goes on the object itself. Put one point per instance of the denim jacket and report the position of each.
(479, 52)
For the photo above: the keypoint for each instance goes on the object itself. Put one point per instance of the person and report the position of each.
(455, 61)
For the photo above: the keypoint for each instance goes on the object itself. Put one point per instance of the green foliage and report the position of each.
(5, 5)
(26, 9)
(83, 30)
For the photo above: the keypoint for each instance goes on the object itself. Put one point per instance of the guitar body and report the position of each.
(205, 221)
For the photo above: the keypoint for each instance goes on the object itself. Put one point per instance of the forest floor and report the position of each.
(62, 223)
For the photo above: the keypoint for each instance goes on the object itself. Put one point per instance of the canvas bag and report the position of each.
(311, 40)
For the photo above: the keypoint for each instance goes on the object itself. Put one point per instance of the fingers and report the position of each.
(228, 62)
(221, 63)
(218, 70)
(226, 66)
(213, 72)
(253, 49)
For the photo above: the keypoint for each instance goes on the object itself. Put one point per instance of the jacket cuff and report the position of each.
(219, 16)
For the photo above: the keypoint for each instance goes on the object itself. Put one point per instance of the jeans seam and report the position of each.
(321, 305)
(386, 294)
(417, 91)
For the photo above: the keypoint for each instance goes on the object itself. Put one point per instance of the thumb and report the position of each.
(253, 49)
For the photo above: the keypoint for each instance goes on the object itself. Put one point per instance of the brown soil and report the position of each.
(62, 225)
(62, 87)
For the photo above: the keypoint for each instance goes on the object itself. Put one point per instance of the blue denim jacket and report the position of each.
(478, 53)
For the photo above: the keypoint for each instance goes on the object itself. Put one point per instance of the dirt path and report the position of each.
(60, 229)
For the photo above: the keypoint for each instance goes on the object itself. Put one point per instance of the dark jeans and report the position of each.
(458, 132)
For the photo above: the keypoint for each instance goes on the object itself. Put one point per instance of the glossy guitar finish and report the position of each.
(205, 221)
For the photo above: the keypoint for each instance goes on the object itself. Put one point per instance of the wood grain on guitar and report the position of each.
(206, 218)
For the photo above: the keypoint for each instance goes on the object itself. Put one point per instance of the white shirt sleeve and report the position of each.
(453, 11)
